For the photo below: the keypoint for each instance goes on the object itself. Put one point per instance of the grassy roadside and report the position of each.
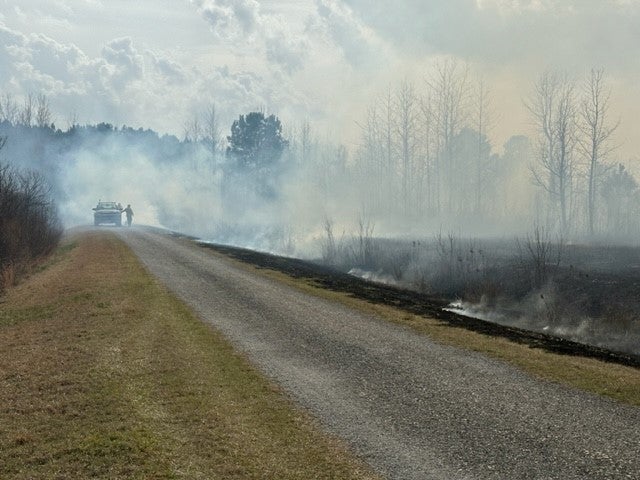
(104, 374)
(619, 382)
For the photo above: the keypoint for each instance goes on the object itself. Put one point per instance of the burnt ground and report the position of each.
(417, 303)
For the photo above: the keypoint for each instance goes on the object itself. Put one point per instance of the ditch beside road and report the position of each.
(411, 407)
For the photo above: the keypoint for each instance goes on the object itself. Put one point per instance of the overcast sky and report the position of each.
(152, 63)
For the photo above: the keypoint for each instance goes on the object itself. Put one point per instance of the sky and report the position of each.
(155, 63)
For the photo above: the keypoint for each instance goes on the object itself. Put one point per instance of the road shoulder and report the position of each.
(105, 374)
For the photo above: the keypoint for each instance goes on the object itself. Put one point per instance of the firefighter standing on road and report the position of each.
(129, 213)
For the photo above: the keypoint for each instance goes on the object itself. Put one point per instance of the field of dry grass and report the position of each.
(104, 374)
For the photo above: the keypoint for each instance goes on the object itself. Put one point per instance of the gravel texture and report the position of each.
(411, 408)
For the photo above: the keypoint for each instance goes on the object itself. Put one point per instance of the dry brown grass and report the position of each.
(616, 381)
(103, 374)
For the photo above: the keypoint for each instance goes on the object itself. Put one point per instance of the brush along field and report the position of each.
(104, 374)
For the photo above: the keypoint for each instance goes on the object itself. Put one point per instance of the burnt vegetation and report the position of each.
(536, 282)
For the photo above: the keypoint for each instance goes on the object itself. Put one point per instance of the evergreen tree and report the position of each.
(256, 141)
(255, 148)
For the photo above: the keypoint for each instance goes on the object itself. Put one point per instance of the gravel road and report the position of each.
(409, 407)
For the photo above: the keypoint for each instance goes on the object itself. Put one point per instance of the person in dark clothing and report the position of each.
(129, 213)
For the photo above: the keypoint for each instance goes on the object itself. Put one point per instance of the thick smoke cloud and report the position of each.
(569, 33)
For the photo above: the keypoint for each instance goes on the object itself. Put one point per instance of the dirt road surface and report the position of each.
(411, 408)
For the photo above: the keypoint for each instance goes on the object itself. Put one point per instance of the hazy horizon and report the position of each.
(155, 64)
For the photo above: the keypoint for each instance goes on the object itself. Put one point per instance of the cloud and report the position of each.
(359, 44)
(121, 63)
(230, 18)
(283, 47)
(521, 32)
(168, 68)
(92, 86)
(37, 61)
(242, 26)
(126, 84)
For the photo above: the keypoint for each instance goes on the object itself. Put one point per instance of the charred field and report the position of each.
(595, 285)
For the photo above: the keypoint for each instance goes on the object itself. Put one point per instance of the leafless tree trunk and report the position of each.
(483, 119)
(27, 112)
(211, 134)
(372, 159)
(565, 124)
(597, 132)
(553, 107)
(9, 110)
(450, 88)
(382, 145)
(193, 130)
(43, 115)
(406, 130)
(427, 179)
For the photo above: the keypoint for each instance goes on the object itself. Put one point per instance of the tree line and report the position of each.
(425, 154)
(424, 158)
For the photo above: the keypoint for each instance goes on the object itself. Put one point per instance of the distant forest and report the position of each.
(424, 164)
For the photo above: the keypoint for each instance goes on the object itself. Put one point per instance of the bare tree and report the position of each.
(565, 126)
(211, 133)
(450, 88)
(433, 150)
(596, 135)
(211, 130)
(370, 158)
(193, 129)
(407, 108)
(72, 120)
(43, 115)
(388, 137)
(378, 154)
(363, 251)
(553, 108)
(540, 255)
(482, 119)
(8, 109)
(25, 117)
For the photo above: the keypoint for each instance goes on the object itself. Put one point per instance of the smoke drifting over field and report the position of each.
(434, 123)
(321, 203)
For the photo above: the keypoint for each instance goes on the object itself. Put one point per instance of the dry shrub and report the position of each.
(7, 276)
(29, 224)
